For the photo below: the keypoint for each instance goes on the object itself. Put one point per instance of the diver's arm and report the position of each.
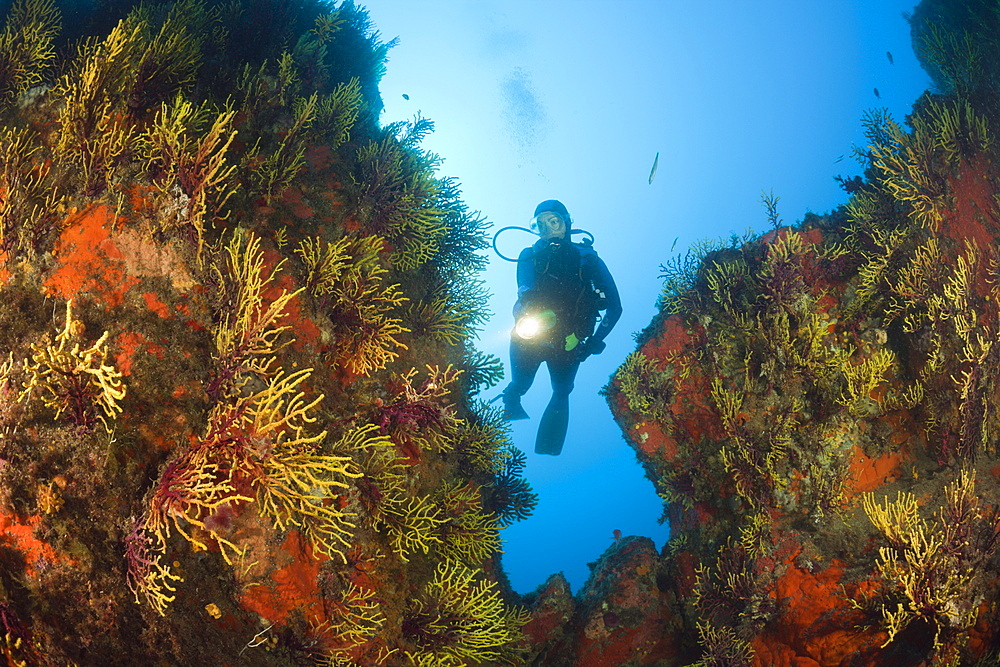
(525, 280)
(604, 282)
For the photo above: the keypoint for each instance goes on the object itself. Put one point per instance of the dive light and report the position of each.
(534, 325)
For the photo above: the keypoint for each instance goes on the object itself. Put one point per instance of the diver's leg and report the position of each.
(524, 362)
(555, 419)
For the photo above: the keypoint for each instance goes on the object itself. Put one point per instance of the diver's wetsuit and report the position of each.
(526, 356)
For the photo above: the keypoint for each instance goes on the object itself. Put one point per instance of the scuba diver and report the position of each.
(561, 288)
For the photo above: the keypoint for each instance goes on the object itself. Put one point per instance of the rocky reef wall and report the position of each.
(817, 406)
(238, 421)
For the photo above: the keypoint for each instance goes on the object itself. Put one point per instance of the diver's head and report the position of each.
(551, 220)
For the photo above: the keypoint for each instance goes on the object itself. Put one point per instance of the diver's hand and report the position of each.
(596, 346)
(590, 347)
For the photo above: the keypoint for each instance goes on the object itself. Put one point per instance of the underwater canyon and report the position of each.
(239, 390)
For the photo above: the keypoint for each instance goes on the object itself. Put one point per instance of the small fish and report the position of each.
(877, 94)
(652, 173)
(617, 535)
(674, 244)
(888, 54)
(405, 96)
(838, 159)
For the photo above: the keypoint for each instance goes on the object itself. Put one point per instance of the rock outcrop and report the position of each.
(818, 405)
(237, 414)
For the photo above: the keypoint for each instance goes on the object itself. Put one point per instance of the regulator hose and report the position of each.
(587, 242)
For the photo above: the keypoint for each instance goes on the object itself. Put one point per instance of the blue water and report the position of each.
(572, 99)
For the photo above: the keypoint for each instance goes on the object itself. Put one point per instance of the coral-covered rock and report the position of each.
(236, 362)
(623, 616)
(817, 405)
(552, 608)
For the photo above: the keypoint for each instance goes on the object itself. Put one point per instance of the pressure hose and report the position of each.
(587, 242)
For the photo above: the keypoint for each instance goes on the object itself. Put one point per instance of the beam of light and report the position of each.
(531, 327)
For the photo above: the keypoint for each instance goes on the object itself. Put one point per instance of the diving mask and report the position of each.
(548, 224)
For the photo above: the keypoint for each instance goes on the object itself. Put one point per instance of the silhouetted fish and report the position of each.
(877, 95)
(405, 96)
(888, 54)
(652, 173)
(674, 244)
(838, 159)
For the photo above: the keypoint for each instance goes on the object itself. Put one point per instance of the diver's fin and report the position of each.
(512, 410)
(552, 430)
(513, 413)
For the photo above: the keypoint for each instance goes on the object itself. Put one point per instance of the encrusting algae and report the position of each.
(237, 421)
